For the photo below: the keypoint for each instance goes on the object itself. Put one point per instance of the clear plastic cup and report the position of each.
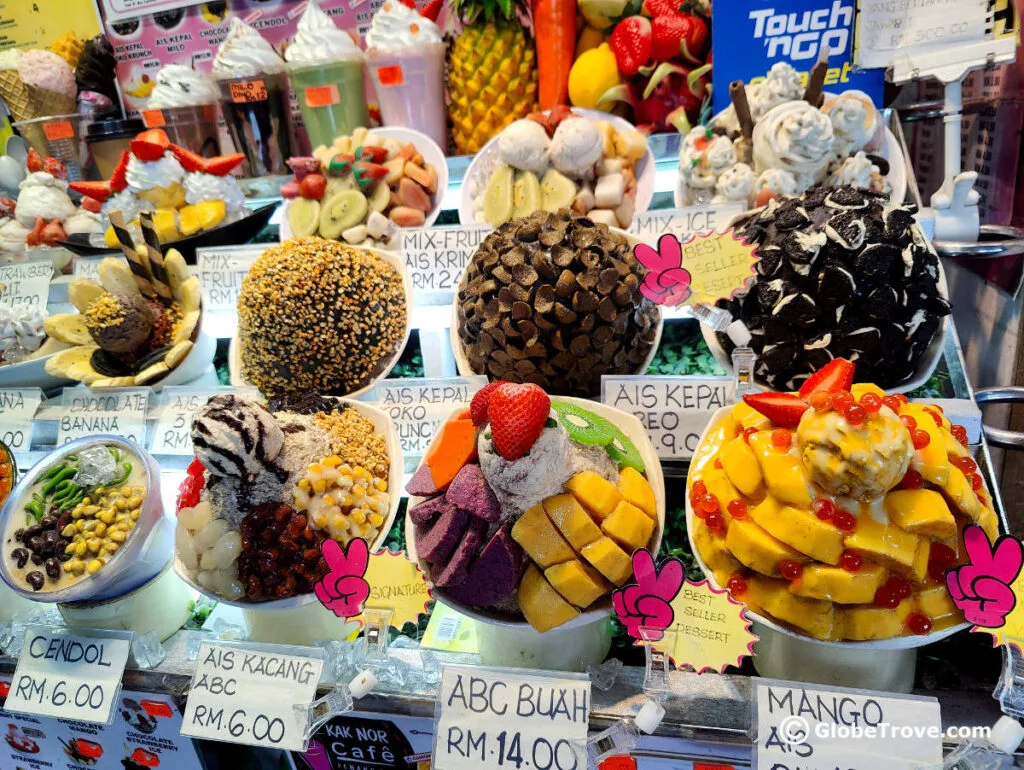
(58, 136)
(332, 98)
(256, 110)
(194, 128)
(410, 89)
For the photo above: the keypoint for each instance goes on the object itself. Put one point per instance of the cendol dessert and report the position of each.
(841, 273)
(74, 519)
(527, 507)
(554, 299)
(836, 511)
(317, 315)
(270, 483)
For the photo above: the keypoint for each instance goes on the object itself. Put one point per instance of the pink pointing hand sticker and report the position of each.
(668, 282)
(981, 588)
(648, 603)
(344, 589)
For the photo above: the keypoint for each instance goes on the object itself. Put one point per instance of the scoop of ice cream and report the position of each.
(96, 68)
(855, 121)
(524, 145)
(12, 236)
(209, 187)
(781, 84)
(576, 146)
(777, 181)
(856, 170)
(181, 86)
(22, 326)
(45, 69)
(735, 184)
(42, 195)
(119, 323)
(245, 52)
(82, 221)
(794, 137)
(235, 436)
(860, 461)
(396, 26)
(318, 39)
(149, 174)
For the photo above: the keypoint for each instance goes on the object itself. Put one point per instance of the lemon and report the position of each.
(591, 75)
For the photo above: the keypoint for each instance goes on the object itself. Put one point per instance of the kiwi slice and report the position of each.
(624, 452)
(584, 427)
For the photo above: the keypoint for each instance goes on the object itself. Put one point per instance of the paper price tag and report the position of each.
(25, 283)
(69, 675)
(121, 411)
(435, 258)
(221, 271)
(321, 96)
(391, 76)
(902, 28)
(17, 408)
(840, 727)
(497, 717)
(674, 410)
(153, 118)
(241, 694)
(684, 222)
(89, 267)
(61, 129)
(243, 91)
(174, 424)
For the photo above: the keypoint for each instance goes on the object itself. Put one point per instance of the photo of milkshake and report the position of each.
(254, 98)
(184, 104)
(406, 57)
(328, 74)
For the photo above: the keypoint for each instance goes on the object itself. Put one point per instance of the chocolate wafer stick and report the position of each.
(738, 94)
(816, 79)
(156, 259)
(139, 267)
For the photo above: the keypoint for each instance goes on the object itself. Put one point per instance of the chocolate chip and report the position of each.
(524, 275)
(544, 300)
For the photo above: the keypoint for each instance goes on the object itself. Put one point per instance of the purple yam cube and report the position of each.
(422, 483)
(428, 510)
(457, 568)
(434, 544)
(470, 492)
(495, 574)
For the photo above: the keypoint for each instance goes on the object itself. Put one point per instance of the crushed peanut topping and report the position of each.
(355, 438)
(103, 312)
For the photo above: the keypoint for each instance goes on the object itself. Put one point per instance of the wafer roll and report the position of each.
(738, 94)
(137, 262)
(816, 79)
(156, 259)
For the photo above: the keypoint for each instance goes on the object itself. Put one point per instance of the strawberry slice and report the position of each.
(478, 406)
(190, 161)
(834, 376)
(783, 409)
(432, 10)
(97, 190)
(119, 177)
(150, 145)
(93, 205)
(7, 206)
(223, 165)
(33, 161)
(517, 414)
(52, 233)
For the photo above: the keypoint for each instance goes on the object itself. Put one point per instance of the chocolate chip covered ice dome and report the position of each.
(841, 273)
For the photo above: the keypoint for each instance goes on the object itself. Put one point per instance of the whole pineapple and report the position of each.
(492, 72)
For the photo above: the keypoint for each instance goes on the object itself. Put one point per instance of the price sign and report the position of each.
(489, 717)
(221, 271)
(684, 222)
(25, 283)
(154, 118)
(436, 256)
(674, 410)
(243, 91)
(60, 129)
(69, 675)
(801, 726)
(17, 408)
(84, 412)
(322, 96)
(243, 694)
(885, 30)
(391, 75)
(174, 423)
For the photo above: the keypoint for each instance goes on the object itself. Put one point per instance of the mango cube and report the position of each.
(930, 460)
(718, 484)
(165, 222)
(815, 617)
(818, 581)
(782, 472)
(936, 603)
(748, 417)
(571, 520)
(539, 538)
(869, 622)
(887, 544)
(542, 606)
(958, 491)
(799, 529)
(628, 526)
(596, 494)
(859, 389)
(921, 511)
(635, 488)
(201, 216)
(713, 551)
(579, 583)
(989, 522)
(610, 560)
(741, 466)
(757, 549)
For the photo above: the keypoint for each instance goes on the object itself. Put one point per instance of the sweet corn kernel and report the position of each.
(376, 519)
(118, 536)
(131, 524)
(74, 566)
(358, 491)
(94, 566)
(107, 517)
(332, 462)
(100, 529)
(121, 505)
(345, 469)
(134, 515)
(381, 484)
(93, 544)
(80, 548)
(304, 485)
(319, 520)
(110, 546)
(315, 469)
(126, 491)
(358, 515)
(68, 531)
(76, 513)
(339, 522)
(120, 517)
(320, 486)
(86, 501)
(70, 548)
(90, 510)
(135, 501)
(328, 500)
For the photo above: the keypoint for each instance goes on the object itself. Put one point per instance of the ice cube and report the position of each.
(96, 465)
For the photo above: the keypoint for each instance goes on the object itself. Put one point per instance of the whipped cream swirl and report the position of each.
(149, 174)
(397, 27)
(245, 52)
(794, 137)
(319, 40)
(181, 86)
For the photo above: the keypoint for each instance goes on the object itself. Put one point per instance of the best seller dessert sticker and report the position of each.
(700, 270)
(694, 624)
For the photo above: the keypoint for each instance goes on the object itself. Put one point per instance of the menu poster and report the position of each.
(38, 23)
(357, 741)
(143, 736)
(751, 37)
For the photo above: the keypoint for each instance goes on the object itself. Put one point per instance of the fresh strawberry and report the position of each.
(783, 409)
(33, 162)
(544, 120)
(631, 44)
(188, 492)
(368, 174)
(119, 177)
(408, 4)
(478, 406)
(35, 236)
(432, 10)
(190, 161)
(764, 196)
(834, 376)
(371, 154)
(658, 8)
(7, 207)
(312, 186)
(695, 38)
(150, 145)
(98, 190)
(55, 168)
(667, 35)
(52, 233)
(517, 414)
(223, 165)
(93, 205)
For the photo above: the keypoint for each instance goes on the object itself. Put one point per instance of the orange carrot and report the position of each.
(554, 25)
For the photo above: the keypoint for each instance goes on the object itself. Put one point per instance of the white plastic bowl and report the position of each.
(511, 641)
(487, 160)
(396, 465)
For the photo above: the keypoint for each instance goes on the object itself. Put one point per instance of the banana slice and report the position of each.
(50, 347)
(82, 292)
(116, 277)
(113, 382)
(69, 328)
(190, 295)
(150, 373)
(342, 211)
(498, 200)
(83, 372)
(177, 354)
(60, 364)
(177, 271)
(303, 216)
(380, 198)
(558, 190)
(187, 326)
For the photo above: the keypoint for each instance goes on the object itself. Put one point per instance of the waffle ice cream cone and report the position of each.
(15, 94)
